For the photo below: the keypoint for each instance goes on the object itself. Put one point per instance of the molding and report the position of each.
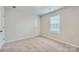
(47, 9)
(55, 10)
(64, 42)
(1, 43)
(23, 38)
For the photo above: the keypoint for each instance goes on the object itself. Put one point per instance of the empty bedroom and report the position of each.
(39, 28)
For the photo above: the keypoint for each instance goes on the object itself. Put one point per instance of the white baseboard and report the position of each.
(47, 36)
(1, 43)
(22, 38)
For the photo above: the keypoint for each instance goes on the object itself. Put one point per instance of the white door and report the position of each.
(1, 25)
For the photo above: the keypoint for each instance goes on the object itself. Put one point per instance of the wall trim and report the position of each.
(49, 37)
(45, 36)
(22, 38)
(1, 43)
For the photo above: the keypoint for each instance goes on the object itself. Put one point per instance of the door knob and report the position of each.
(1, 31)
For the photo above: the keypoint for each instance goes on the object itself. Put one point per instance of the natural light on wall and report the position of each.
(55, 24)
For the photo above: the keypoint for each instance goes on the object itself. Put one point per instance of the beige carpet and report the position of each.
(37, 44)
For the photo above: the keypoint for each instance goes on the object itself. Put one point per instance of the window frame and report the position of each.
(52, 24)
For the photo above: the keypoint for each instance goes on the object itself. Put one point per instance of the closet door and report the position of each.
(1, 24)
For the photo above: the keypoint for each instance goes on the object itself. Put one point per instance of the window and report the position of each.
(55, 23)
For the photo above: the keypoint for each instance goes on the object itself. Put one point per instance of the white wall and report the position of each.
(20, 23)
(69, 26)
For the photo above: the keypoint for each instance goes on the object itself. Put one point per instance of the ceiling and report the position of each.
(40, 10)
(37, 10)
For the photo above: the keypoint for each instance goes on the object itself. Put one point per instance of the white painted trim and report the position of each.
(1, 43)
(68, 43)
(22, 38)
(47, 9)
